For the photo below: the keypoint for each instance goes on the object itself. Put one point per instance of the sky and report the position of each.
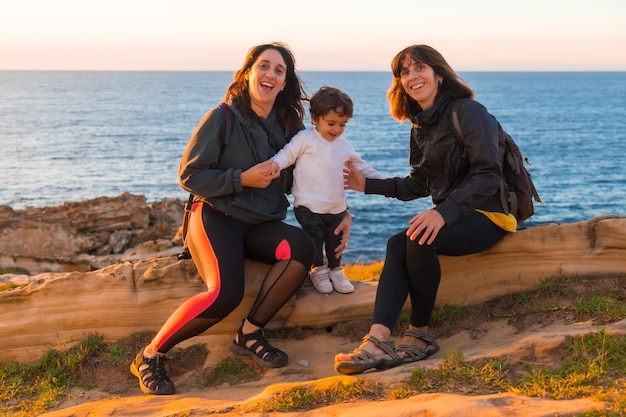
(325, 35)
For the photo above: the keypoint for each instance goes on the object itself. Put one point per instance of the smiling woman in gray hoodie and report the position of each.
(238, 212)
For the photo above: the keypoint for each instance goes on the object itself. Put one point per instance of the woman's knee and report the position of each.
(224, 304)
(297, 245)
(397, 242)
(303, 249)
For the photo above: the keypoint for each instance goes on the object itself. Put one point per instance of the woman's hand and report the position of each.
(260, 175)
(344, 230)
(352, 178)
(429, 222)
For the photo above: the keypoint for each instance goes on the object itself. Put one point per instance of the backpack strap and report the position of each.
(504, 198)
(225, 108)
(185, 254)
(456, 124)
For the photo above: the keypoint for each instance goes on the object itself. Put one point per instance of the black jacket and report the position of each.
(460, 176)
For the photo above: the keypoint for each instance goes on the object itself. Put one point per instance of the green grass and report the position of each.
(447, 312)
(307, 397)
(16, 271)
(30, 389)
(232, 371)
(13, 270)
(118, 354)
(607, 306)
(592, 366)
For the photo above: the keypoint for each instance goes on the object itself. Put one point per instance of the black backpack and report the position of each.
(521, 189)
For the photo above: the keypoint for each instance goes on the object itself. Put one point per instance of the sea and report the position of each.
(68, 136)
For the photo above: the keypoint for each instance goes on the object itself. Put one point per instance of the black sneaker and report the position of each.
(151, 374)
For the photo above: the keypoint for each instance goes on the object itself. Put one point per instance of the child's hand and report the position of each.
(269, 168)
(275, 168)
(260, 175)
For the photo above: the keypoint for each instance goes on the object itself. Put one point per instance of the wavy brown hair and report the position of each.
(330, 98)
(288, 105)
(402, 105)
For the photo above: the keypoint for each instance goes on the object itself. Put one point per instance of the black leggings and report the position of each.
(413, 270)
(218, 245)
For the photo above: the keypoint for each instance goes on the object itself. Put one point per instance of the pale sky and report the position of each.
(473, 35)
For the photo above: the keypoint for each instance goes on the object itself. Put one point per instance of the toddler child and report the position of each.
(319, 154)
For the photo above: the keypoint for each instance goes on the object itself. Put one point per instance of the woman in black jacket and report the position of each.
(462, 175)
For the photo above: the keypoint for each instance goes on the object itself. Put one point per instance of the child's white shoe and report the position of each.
(321, 280)
(340, 282)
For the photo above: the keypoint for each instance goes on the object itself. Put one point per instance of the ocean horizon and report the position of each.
(69, 136)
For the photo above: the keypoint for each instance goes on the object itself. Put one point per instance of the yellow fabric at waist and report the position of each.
(503, 221)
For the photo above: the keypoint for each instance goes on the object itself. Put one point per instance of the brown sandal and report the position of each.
(415, 353)
(363, 360)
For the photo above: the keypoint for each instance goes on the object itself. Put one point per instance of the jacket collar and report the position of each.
(430, 116)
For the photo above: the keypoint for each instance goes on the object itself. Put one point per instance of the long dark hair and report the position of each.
(402, 105)
(288, 105)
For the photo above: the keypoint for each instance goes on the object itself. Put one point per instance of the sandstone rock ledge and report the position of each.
(57, 309)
